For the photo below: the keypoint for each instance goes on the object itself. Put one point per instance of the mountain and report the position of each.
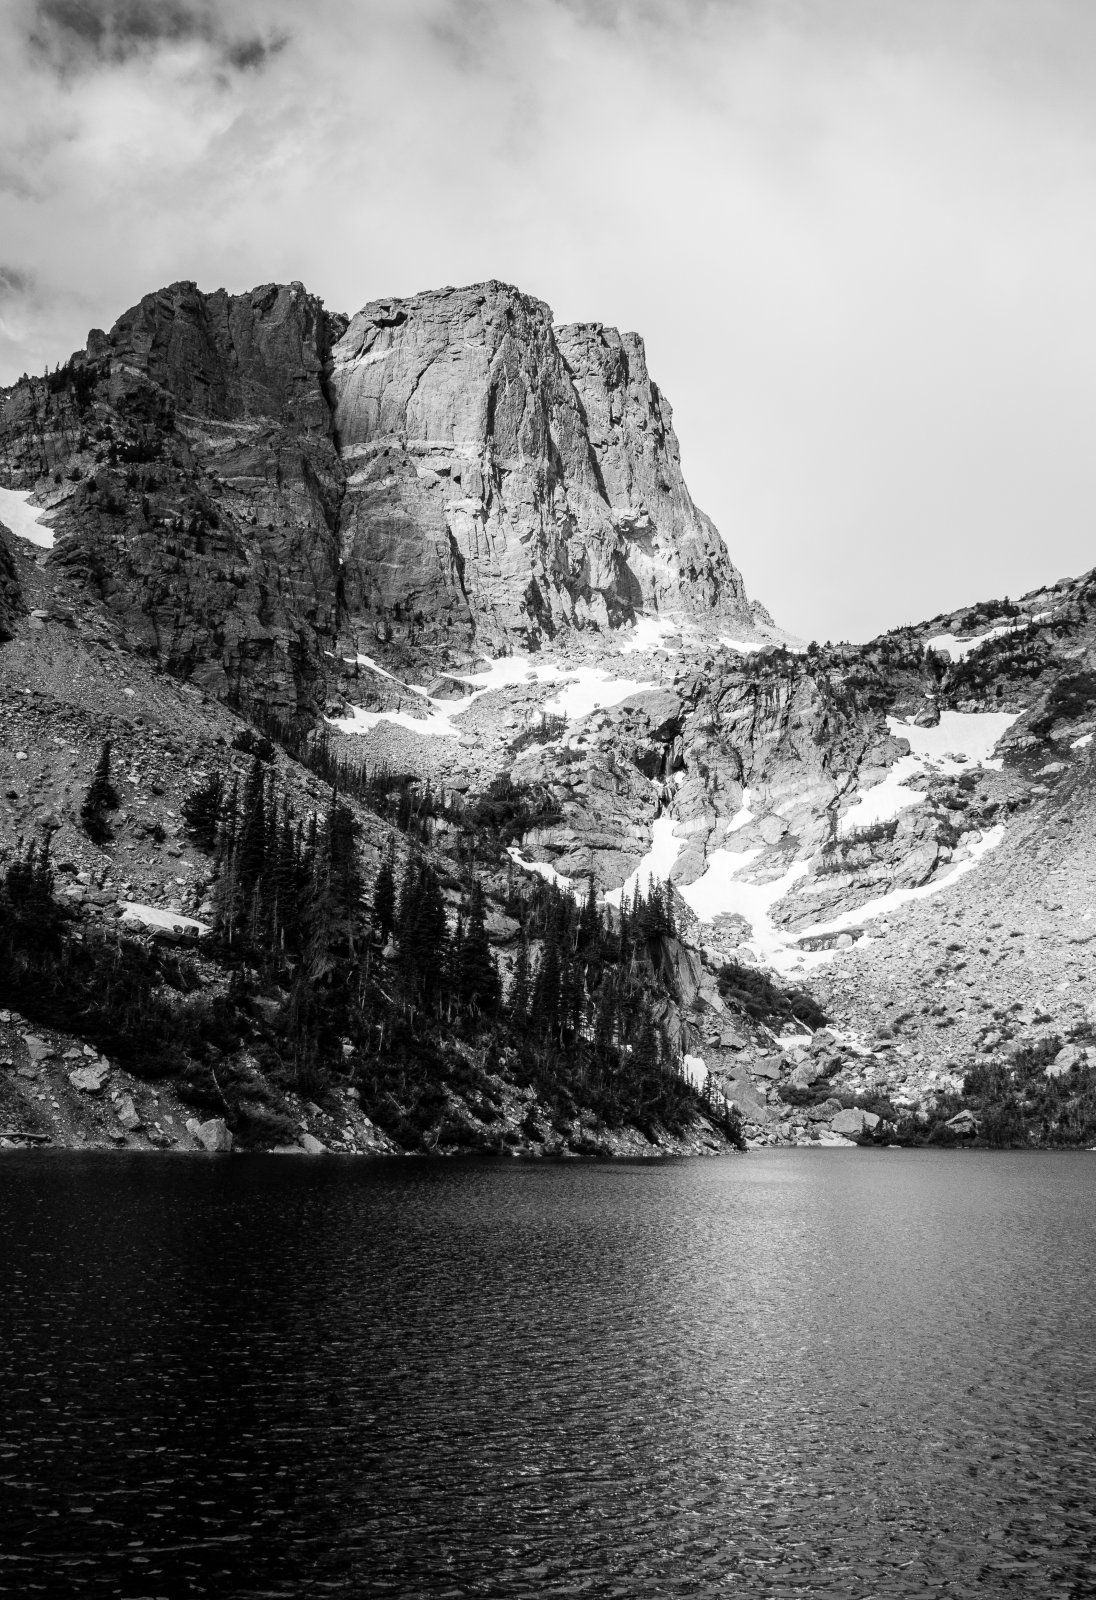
(280, 484)
(442, 554)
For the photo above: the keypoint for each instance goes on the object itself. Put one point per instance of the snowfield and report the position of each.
(155, 917)
(960, 740)
(655, 867)
(949, 644)
(23, 519)
(721, 892)
(885, 801)
(743, 816)
(361, 721)
(583, 690)
(592, 690)
(901, 897)
(543, 870)
(648, 634)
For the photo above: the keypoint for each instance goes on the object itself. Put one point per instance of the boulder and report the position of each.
(854, 1121)
(826, 1112)
(213, 1135)
(501, 928)
(1068, 1057)
(964, 1123)
(311, 1145)
(38, 1050)
(89, 1080)
(128, 1115)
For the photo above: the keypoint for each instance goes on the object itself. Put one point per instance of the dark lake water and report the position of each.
(791, 1374)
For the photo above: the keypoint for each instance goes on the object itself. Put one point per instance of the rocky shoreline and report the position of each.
(58, 1093)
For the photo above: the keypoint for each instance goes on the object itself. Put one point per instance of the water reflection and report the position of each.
(802, 1373)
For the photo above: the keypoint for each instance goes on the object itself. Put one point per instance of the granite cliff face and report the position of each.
(256, 487)
(510, 478)
(194, 485)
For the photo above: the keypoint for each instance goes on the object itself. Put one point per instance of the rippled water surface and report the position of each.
(799, 1373)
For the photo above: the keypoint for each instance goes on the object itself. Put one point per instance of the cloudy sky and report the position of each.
(857, 235)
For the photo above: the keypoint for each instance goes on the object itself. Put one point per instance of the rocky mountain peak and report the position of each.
(540, 462)
(262, 487)
(228, 357)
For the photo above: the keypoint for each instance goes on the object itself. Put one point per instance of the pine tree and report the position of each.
(228, 822)
(520, 987)
(253, 829)
(422, 932)
(101, 798)
(202, 810)
(384, 900)
(285, 901)
(478, 976)
(545, 1007)
(335, 903)
(605, 1018)
(589, 926)
(671, 914)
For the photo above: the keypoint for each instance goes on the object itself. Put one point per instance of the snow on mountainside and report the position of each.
(456, 539)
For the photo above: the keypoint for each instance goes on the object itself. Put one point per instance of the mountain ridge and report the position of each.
(448, 544)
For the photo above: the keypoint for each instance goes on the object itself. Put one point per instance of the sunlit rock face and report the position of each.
(188, 463)
(258, 487)
(675, 558)
(512, 477)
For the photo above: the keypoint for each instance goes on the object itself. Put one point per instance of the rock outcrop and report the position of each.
(195, 485)
(255, 487)
(510, 476)
(11, 595)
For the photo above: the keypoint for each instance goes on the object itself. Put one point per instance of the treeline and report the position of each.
(333, 979)
(1013, 1104)
(395, 968)
(318, 976)
(503, 813)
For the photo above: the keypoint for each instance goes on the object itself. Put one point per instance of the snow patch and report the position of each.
(743, 816)
(25, 520)
(648, 634)
(900, 897)
(885, 801)
(721, 892)
(656, 865)
(501, 673)
(959, 649)
(360, 721)
(583, 689)
(1082, 743)
(592, 690)
(543, 870)
(155, 917)
(694, 1069)
(958, 739)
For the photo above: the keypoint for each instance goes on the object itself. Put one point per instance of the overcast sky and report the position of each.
(857, 235)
